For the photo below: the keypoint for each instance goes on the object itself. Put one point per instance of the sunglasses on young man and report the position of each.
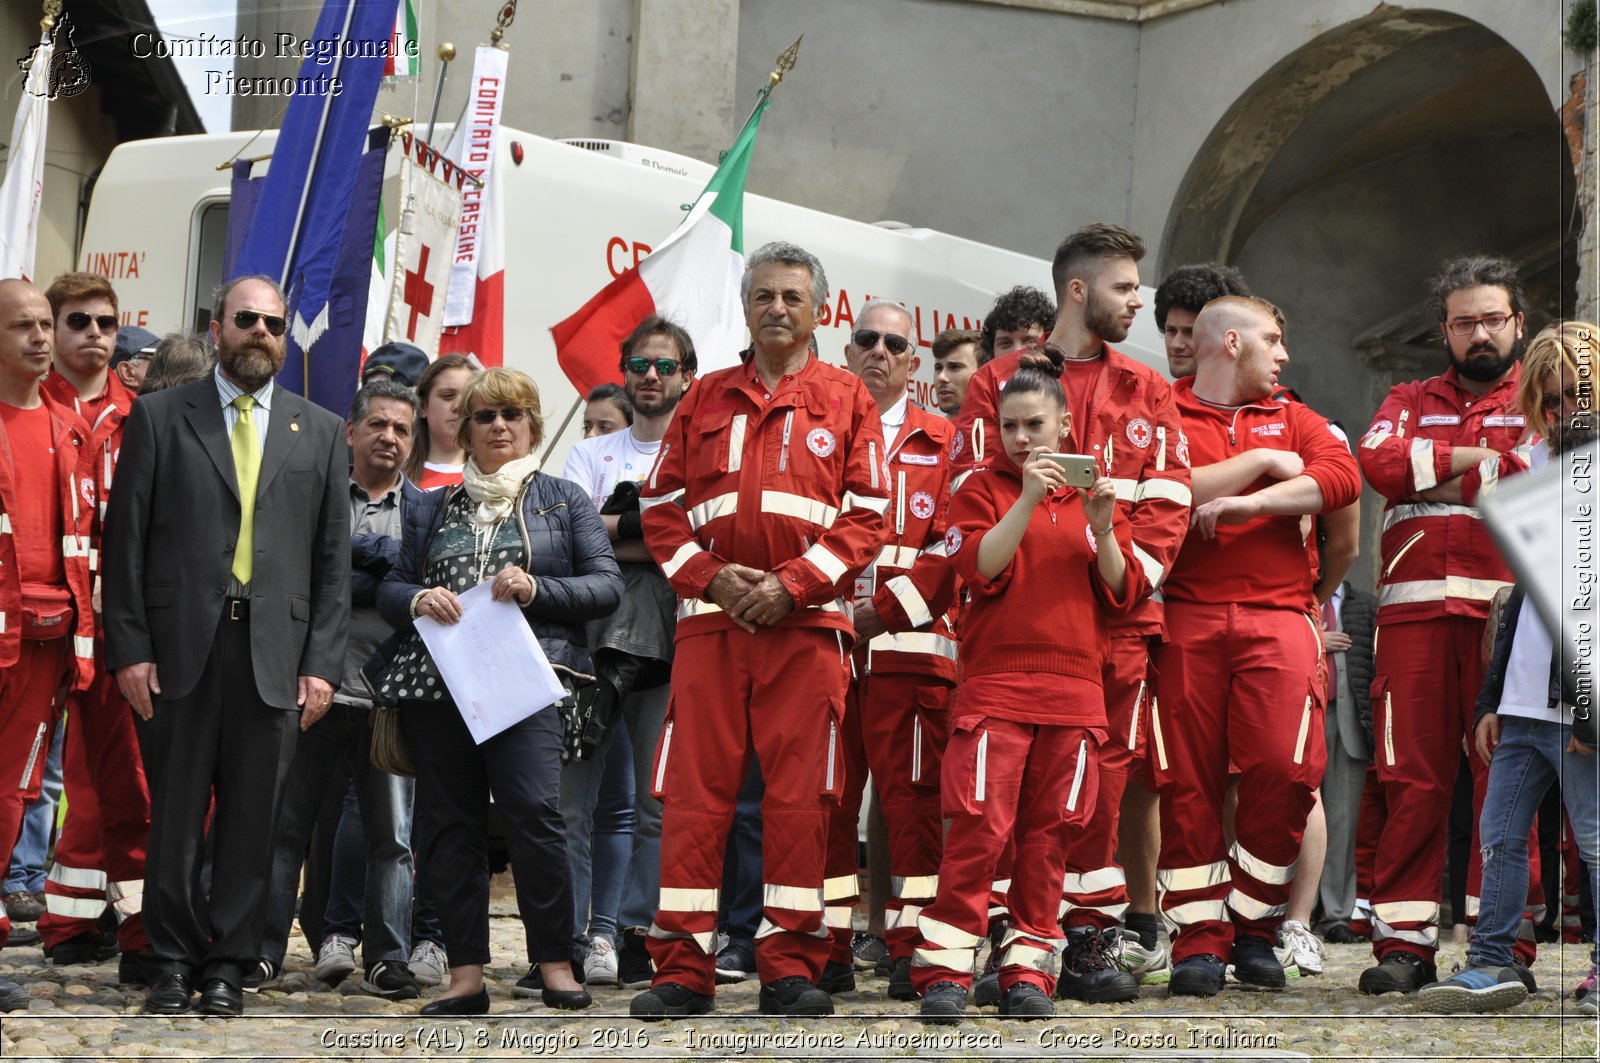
(77, 321)
(866, 339)
(510, 415)
(246, 320)
(664, 367)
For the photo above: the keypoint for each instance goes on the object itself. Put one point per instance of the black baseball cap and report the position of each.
(400, 360)
(133, 340)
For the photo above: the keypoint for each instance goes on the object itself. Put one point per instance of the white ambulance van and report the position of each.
(578, 214)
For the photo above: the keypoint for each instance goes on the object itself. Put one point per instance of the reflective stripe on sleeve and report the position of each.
(711, 509)
(680, 558)
(826, 561)
(905, 592)
(880, 506)
(674, 497)
(1170, 490)
(1423, 475)
(898, 556)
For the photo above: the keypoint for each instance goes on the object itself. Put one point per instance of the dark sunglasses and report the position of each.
(866, 339)
(1553, 403)
(511, 415)
(665, 367)
(246, 320)
(77, 321)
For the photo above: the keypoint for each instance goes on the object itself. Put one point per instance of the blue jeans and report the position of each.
(644, 713)
(597, 806)
(27, 858)
(1531, 755)
(741, 871)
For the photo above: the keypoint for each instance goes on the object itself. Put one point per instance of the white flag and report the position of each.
(472, 148)
(24, 183)
(431, 209)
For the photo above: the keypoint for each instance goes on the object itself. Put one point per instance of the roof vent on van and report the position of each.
(649, 158)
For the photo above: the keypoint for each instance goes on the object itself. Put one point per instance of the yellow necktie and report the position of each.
(247, 467)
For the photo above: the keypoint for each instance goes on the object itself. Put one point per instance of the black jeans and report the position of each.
(521, 766)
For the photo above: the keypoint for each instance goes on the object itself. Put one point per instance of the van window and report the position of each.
(207, 252)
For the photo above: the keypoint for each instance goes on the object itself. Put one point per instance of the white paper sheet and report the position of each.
(493, 666)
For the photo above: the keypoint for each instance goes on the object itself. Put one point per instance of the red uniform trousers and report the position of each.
(777, 695)
(30, 692)
(1094, 891)
(99, 854)
(1239, 684)
(895, 726)
(1425, 684)
(1369, 826)
(1005, 780)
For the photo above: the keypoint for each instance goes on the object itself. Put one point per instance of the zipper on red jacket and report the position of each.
(783, 452)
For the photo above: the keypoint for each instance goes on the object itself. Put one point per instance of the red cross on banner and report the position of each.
(430, 213)
(418, 293)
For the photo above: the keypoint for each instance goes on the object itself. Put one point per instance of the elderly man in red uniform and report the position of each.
(1440, 570)
(1238, 676)
(905, 662)
(1123, 414)
(767, 499)
(47, 507)
(99, 855)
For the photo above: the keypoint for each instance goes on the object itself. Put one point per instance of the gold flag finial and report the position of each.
(52, 12)
(786, 61)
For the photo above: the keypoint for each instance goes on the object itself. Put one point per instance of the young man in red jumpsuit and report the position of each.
(1123, 415)
(767, 499)
(1440, 570)
(47, 511)
(905, 659)
(1238, 675)
(99, 854)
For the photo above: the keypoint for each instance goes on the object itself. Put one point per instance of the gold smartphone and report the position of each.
(1081, 469)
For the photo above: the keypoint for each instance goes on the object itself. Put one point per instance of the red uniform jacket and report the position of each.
(1262, 561)
(1047, 610)
(796, 485)
(74, 457)
(1135, 430)
(106, 430)
(1438, 559)
(916, 584)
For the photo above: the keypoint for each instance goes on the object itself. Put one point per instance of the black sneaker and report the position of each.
(837, 978)
(264, 975)
(794, 996)
(944, 1003)
(1089, 970)
(735, 963)
(1255, 963)
(867, 951)
(900, 987)
(634, 969)
(1027, 1001)
(669, 999)
(1398, 972)
(85, 948)
(391, 979)
(1197, 976)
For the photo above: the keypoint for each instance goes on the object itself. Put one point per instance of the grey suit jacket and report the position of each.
(171, 526)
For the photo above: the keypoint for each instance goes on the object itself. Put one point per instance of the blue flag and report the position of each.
(300, 222)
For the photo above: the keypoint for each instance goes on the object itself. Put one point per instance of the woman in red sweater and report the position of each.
(1045, 564)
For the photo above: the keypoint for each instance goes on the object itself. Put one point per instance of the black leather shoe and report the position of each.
(566, 999)
(471, 1004)
(169, 996)
(220, 998)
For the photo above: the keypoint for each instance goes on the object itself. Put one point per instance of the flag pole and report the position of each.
(446, 52)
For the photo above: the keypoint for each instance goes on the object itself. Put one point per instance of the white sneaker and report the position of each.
(429, 964)
(1149, 966)
(335, 959)
(600, 966)
(1302, 947)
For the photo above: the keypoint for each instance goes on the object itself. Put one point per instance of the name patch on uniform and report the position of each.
(820, 442)
(1139, 433)
(1439, 418)
(1505, 420)
(1276, 428)
(918, 459)
(922, 505)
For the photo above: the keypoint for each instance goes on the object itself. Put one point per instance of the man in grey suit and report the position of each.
(225, 613)
(1348, 628)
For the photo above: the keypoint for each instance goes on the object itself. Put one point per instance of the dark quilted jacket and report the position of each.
(1358, 615)
(570, 557)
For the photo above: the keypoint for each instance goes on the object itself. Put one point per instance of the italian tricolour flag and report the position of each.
(691, 279)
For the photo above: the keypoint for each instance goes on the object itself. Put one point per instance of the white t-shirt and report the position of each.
(1527, 686)
(600, 463)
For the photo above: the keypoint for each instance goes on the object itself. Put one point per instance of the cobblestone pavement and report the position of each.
(79, 1012)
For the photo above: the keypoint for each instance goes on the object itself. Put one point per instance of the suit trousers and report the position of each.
(1342, 781)
(521, 766)
(219, 745)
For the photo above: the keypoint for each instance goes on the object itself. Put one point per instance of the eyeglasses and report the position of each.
(77, 321)
(866, 339)
(1553, 402)
(665, 367)
(1465, 326)
(246, 320)
(511, 415)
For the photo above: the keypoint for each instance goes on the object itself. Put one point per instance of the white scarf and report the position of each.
(496, 492)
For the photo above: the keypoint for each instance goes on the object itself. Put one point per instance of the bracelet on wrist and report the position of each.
(1101, 531)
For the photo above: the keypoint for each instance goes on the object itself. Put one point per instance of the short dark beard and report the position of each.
(1102, 320)
(1485, 370)
(668, 404)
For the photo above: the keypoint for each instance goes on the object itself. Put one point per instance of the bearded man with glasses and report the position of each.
(1440, 570)
(227, 602)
